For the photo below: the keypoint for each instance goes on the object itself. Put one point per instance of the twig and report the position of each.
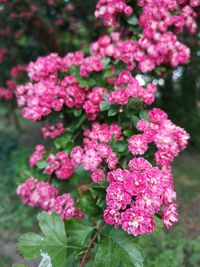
(87, 251)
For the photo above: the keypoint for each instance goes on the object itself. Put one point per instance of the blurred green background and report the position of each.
(179, 96)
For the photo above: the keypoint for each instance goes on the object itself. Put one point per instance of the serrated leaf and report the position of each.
(104, 256)
(52, 226)
(79, 231)
(55, 241)
(120, 247)
(87, 204)
(30, 245)
(104, 106)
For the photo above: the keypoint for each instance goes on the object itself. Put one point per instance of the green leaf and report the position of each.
(105, 256)
(107, 74)
(77, 112)
(42, 164)
(133, 21)
(118, 247)
(119, 146)
(144, 114)
(128, 133)
(135, 119)
(62, 140)
(87, 204)
(79, 231)
(105, 61)
(79, 176)
(55, 241)
(86, 82)
(113, 110)
(69, 146)
(104, 106)
(30, 245)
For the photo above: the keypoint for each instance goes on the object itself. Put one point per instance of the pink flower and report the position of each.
(117, 197)
(76, 156)
(137, 144)
(98, 176)
(157, 115)
(139, 165)
(148, 201)
(64, 205)
(36, 156)
(135, 183)
(61, 164)
(170, 215)
(136, 222)
(112, 216)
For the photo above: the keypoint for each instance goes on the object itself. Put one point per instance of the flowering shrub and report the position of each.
(108, 175)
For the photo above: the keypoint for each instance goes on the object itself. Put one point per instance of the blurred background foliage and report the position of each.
(29, 29)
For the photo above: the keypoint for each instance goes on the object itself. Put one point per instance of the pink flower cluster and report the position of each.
(17, 70)
(126, 86)
(5, 94)
(37, 155)
(96, 150)
(8, 93)
(52, 131)
(151, 50)
(64, 205)
(44, 67)
(43, 195)
(93, 100)
(60, 164)
(109, 9)
(37, 194)
(161, 15)
(168, 138)
(134, 195)
(157, 45)
(41, 98)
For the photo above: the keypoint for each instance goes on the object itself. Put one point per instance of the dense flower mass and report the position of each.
(112, 134)
(43, 195)
(156, 45)
(60, 164)
(143, 188)
(109, 9)
(36, 193)
(96, 152)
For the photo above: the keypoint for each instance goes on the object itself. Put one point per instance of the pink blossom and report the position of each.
(136, 221)
(137, 144)
(170, 215)
(117, 197)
